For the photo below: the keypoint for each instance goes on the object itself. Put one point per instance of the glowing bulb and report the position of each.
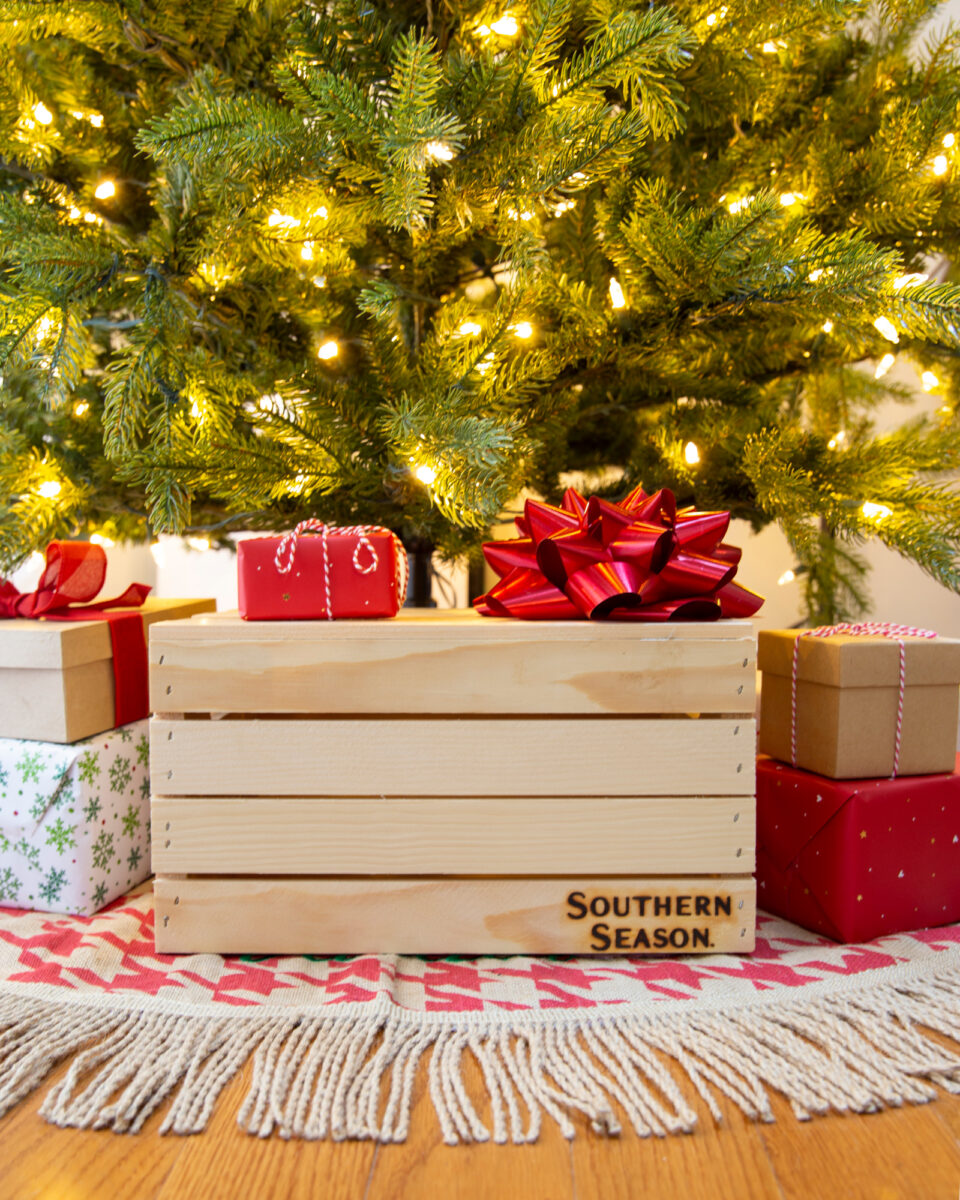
(49, 489)
(875, 512)
(929, 381)
(484, 366)
(91, 218)
(884, 365)
(306, 251)
(827, 326)
(691, 454)
(711, 19)
(76, 114)
(42, 114)
(74, 214)
(523, 330)
(617, 298)
(769, 47)
(319, 281)
(483, 30)
(279, 220)
(198, 543)
(196, 410)
(910, 280)
(439, 151)
(506, 27)
(101, 539)
(948, 140)
(81, 408)
(328, 350)
(96, 120)
(786, 577)
(469, 329)
(815, 275)
(837, 440)
(425, 474)
(886, 327)
(736, 206)
(321, 212)
(788, 198)
(940, 165)
(105, 190)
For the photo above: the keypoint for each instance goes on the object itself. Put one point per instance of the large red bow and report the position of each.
(73, 576)
(639, 560)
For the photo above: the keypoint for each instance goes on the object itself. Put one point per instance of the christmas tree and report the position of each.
(395, 262)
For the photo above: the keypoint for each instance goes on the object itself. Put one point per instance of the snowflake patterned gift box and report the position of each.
(74, 820)
(858, 858)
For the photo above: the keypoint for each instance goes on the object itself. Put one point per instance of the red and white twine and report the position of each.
(287, 550)
(861, 629)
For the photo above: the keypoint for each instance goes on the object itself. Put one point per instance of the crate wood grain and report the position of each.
(454, 663)
(514, 756)
(452, 835)
(572, 915)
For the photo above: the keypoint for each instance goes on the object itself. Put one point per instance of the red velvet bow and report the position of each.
(639, 560)
(73, 575)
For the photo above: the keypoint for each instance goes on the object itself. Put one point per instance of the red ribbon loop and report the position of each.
(73, 575)
(640, 560)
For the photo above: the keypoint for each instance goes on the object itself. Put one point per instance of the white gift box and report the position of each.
(74, 820)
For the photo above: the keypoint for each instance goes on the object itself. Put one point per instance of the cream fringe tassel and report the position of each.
(353, 1077)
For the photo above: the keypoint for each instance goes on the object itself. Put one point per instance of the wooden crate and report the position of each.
(443, 783)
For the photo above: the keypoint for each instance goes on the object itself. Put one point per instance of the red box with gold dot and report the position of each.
(858, 858)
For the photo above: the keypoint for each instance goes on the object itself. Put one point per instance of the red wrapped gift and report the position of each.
(359, 571)
(857, 858)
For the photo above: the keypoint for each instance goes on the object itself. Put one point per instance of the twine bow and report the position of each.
(287, 550)
(884, 629)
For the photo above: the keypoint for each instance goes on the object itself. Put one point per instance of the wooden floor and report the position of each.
(908, 1154)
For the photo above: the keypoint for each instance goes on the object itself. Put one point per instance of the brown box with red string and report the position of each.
(842, 707)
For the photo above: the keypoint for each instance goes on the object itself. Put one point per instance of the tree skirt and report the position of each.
(337, 1042)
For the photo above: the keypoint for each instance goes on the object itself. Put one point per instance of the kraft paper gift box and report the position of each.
(57, 677)
(846, 703)
(74, 821)
(855, 859)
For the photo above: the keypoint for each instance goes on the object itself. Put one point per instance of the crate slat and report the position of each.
(437, 757)
(282, 835)
(455, 916)
(458, 664)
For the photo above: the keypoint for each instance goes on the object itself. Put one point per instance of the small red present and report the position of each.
(359, 571)
(857, 858)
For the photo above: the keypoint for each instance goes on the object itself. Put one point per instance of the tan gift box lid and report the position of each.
(847, 699)
(56, 677)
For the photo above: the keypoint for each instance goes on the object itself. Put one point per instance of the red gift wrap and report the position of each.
(334, 574)
(857, 858)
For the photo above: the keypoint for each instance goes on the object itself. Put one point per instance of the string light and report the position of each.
(212, 275)
(42, 114)
(940, 165)
(827, 326)
(198, 543)
(815, 275)
(74, 214)
(196, 410)
(484, 366)
(101, 539)
(790, 198)
(425, 474)
(328, 350)
(910, 280)
(875, 512)
(506, 27)
(321, 212)
(525, 215)
(884, 365)
(81, 408)
(769, 47)
(691, 454)
(105, 189)
(948, 140)
(838, 439)
(96, 120)
(617, 298)
(306, 251)
(786, 577)
(92, 218)
(736, 206)
(929, 381)
(439, 151)
(886, 327)
(523, 330)
(49, 489)
(469, 329)
(279, 220)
